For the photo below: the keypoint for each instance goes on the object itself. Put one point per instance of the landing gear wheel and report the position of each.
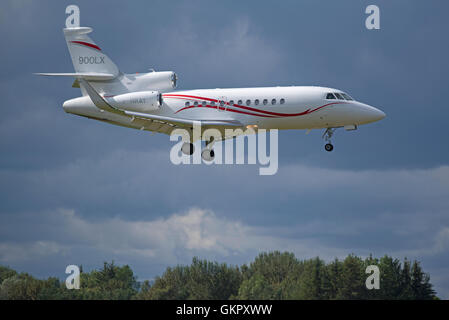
(327, 137)
(187, 148)
(208, 154)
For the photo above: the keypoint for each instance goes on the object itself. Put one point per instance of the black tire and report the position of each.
(192, 149)
(329, 147)
(189, 148)
(208, 155)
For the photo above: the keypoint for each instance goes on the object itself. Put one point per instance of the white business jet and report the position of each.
(147, 101)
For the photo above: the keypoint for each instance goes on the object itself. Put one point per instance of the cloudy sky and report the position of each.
(76, 191)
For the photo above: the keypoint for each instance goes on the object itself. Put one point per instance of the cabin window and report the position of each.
(212, 103)
(256, 102)
(231, 102)
(187, 104)
(273, 101)
(221, 103)
(195, 103)
(265, 102)
(240, 102)
(204, 103)
(248, 102)
(330, 96)
(282, 101)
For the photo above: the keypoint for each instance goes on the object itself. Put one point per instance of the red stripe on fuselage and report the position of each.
(227, 109)
(87, 44)
(264, 112)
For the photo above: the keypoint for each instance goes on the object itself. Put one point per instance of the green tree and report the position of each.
(201, 280)
(420, 284)
(20, 287)
(6, 272)
(406, 292)
(255, 288)
(272, 275)
(278, 270)
(51, 289)
(310, 283)
(390, 279)
(352, 279)
(111, 283)
(333, 279)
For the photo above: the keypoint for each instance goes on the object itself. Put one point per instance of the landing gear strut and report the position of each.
(327, 137)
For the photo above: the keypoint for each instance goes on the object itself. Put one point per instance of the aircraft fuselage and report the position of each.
(295, 107)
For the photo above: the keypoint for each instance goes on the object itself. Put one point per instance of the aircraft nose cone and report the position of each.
(370, 114)
(378, 114)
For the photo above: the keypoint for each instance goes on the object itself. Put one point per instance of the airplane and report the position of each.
(147, 101)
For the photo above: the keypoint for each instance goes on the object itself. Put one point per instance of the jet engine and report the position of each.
(142, 101)
(161, 81)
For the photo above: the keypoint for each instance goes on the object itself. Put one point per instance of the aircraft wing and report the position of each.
(97, 99)
(153, 122)
(186, 122)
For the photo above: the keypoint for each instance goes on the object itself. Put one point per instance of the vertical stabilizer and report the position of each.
(87, 57)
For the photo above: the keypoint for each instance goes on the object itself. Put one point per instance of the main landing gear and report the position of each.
(207, 153)
(188, 148)
(327, 137)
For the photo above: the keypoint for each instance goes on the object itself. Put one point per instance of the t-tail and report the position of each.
(87, 56)
(88, 59)
(91, 64)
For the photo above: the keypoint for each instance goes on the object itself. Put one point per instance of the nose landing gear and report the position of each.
(327, 137)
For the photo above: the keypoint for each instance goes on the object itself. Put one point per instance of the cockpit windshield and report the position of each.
(339, 96)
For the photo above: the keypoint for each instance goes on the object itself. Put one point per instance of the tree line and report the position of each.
(273, 275)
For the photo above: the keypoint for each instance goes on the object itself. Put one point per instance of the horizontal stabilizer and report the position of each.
(83, 75)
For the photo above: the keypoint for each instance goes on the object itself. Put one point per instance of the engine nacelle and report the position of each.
(161, 81)
(142, 101)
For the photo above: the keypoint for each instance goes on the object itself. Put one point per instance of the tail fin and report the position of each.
(86, 56)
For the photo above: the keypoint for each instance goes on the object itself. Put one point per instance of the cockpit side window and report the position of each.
(330, 96)
(347, 96)
(339, 96)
